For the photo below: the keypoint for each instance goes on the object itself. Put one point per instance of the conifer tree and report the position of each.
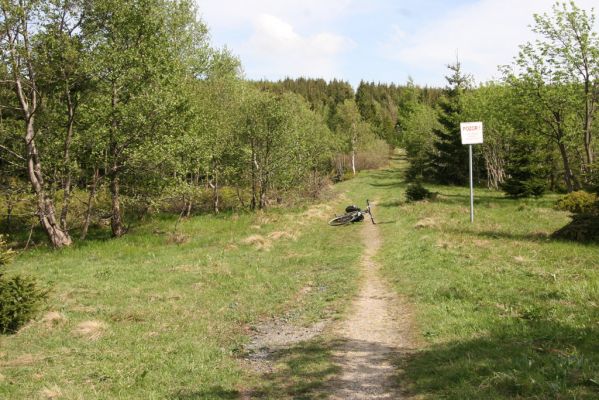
(525, 168)
(450, 157)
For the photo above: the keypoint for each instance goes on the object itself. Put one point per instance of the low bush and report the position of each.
(20, 296)
(582, 228)
(515, 188)
(20, 299)
(417, 192)
(580, 202)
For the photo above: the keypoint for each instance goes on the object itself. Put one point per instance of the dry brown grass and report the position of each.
(23, 360)
(265, 243)
(321, 211)
(481, 242)
(520, 259)
(445, 244)
(51, 393)
(53, 319)
(425, 223)
(282, 235)
(231, 246)
(91, 330)
(177, 238)
(258, 241)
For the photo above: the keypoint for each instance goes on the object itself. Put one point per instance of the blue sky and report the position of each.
(378, 40)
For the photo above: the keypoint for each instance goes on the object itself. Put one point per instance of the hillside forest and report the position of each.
(115, 110)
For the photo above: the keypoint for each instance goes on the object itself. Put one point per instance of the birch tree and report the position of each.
(16, 47)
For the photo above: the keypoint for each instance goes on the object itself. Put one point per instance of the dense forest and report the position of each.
(112, 110)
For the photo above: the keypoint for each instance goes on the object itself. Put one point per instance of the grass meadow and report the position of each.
(158, 315)
(501, 309)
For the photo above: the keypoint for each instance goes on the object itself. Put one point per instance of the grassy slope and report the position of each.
(503, 311)
(175, 316)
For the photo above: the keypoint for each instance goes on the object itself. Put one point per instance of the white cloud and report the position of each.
(484, 35)
(278, 38)
(236, 13)
(276, 49)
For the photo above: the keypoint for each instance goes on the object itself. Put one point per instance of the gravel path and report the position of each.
(376, 331)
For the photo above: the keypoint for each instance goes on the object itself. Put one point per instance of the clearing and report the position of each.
(423, 305)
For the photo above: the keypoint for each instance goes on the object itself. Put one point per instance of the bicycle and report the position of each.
(352, 214)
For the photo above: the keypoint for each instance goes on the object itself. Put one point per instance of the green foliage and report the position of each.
(525, 170)
(493, 104)
(417, 139)
(579, 202)
(20, 299)
(592, 177)
(417, 192)
(450, 156)
(382, 106)
(20, 296)
(324, 97)
(6, 254)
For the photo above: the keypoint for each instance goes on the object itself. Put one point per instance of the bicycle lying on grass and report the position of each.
(352, 214)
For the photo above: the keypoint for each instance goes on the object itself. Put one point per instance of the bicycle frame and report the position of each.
(352, 216)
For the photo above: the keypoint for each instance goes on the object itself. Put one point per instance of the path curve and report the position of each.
(376, 331)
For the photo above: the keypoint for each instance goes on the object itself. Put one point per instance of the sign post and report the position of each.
(472, 133)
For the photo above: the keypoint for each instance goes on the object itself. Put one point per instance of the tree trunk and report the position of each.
(90, 204)
(28, 99)
(188, 208)
(353, 151)
(495, 166)
(67, 162)
(116, 221)
(215, 197)
(588, 122)
(263, 192)
(254, 173)
(240, 197)
(572, 183)
(45, 206)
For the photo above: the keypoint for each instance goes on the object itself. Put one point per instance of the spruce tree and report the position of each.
(450, 157)
(526, 168)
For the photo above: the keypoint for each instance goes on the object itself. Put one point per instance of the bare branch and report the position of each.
(12, 152)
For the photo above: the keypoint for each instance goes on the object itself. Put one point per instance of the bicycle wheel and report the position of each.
(341, 220)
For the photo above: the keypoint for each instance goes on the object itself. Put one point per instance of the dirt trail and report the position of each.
(376, 331)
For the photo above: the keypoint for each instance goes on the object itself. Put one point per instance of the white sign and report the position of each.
(472, 132)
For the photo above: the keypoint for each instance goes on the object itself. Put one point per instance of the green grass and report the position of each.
(175, 317)
(502, 310)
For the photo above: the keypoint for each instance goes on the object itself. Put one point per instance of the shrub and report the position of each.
(417, 192)
(582, 228)
(20, 296)
(585, 223)
(580, 202)
(20, 299)
(5, 253)
(518, 188)
(592, 178)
